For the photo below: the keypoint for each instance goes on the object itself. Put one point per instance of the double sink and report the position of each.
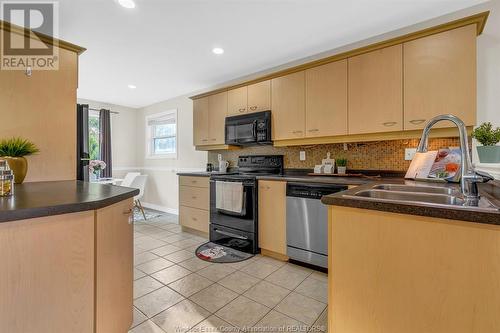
(414, 194)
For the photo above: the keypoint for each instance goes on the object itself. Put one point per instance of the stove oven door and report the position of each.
(244, 221)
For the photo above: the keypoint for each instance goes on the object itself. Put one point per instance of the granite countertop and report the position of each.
(489, 191)
(40, 199)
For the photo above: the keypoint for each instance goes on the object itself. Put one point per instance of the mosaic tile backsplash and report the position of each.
(381, 155)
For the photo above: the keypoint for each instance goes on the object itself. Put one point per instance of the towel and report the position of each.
(229, 196)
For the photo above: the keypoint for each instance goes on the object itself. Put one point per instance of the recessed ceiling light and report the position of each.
(131, 86)
(127, 3)
(218, 50)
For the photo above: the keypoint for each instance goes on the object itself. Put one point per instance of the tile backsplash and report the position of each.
(381, 155)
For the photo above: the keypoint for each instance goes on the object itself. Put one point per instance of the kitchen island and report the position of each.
(67, 254)
(412, 267)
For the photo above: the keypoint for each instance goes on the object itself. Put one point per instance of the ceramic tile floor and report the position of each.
(176, 292)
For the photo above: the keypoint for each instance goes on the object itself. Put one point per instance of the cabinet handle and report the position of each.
(214, 139)
(194, 219)
(314, 130)
(128, 212)
(297, 132)
(194, 181)
(242, 110)
(389, 123)
(417, 121)
(193, 197)
(204, 140)
(253, 108)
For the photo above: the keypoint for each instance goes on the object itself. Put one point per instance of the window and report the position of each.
(161, 135)
(94, 132)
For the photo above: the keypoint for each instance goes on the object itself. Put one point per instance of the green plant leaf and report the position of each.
(17, 147)
(486, 135)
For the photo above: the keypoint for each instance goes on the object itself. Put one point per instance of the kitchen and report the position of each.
(345, 192)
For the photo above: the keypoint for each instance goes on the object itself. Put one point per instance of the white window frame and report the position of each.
(149, 130)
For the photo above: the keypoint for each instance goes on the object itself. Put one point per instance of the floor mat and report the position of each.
(150, 214)
(220, 254)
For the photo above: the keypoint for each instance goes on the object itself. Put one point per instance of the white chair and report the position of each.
(129, 178)
(139, 183)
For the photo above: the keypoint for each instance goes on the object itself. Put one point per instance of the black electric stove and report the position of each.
(239, 230)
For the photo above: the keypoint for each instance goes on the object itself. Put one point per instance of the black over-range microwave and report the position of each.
(249, 129)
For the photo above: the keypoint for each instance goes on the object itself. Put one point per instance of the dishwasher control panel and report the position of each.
(312, 191)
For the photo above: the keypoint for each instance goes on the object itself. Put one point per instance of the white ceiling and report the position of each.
(164, 46)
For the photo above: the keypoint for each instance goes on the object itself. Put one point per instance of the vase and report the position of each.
(488, 154)
(94, 176)
(341, 170)
(19, 166)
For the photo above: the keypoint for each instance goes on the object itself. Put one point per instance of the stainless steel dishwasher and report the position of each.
(307, 222)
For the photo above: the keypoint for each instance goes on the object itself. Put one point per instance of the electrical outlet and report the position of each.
(409, 153)
(302, 155)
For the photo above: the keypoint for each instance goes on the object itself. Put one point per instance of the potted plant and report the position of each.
(14, 150)
(489, 152)
(341, 165)
(95, 167)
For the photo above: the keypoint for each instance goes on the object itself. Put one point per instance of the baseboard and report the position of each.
(274, 255)
(161, 208)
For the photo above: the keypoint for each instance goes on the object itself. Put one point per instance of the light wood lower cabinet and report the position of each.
(288, 106)
(47, 275)
(114, 268)
(393, 273)
(194, 203)
(376, 91)
(326, 100)
(440, 77)
(68, 273)
(272, 216)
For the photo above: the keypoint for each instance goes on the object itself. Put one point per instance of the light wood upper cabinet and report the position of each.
(288, 106)
(114, 276)
(259, 96)
(326, 100)
(272, 216)
(253, 98)
(376, 91)
(217, 111)
(440, 77)
(237, 101)
(200, 121)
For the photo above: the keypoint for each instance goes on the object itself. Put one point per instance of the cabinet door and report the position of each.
(200, 121)
(326, 100)
(47, 275)
(288, 106)
(272, 216)
(237, 101)
(376, 91)
(217, 110)
(259, 96)
(440, 77)
(114, 268)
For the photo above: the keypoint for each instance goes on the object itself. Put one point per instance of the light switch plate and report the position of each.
(302, 155)
(409, 153)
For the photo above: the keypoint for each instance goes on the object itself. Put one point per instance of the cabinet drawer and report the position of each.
(193, 181)
(193, 218)
(195, 197)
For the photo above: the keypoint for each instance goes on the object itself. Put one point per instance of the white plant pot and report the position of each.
(341, 170)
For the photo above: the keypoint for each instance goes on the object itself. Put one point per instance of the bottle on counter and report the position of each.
(6, 179)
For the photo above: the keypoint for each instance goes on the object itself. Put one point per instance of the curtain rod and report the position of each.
(113, 112)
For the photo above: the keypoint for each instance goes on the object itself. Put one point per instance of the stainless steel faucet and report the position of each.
(469, 177)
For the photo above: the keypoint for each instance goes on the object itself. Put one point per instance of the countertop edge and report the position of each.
(52, 210)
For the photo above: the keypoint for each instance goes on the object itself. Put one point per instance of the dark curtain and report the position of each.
(82, 142)
(105, 142)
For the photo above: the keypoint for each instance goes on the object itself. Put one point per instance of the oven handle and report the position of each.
(254, 130)
(230, 234)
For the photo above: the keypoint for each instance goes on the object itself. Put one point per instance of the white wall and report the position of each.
(162, 190)
(488, 75)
